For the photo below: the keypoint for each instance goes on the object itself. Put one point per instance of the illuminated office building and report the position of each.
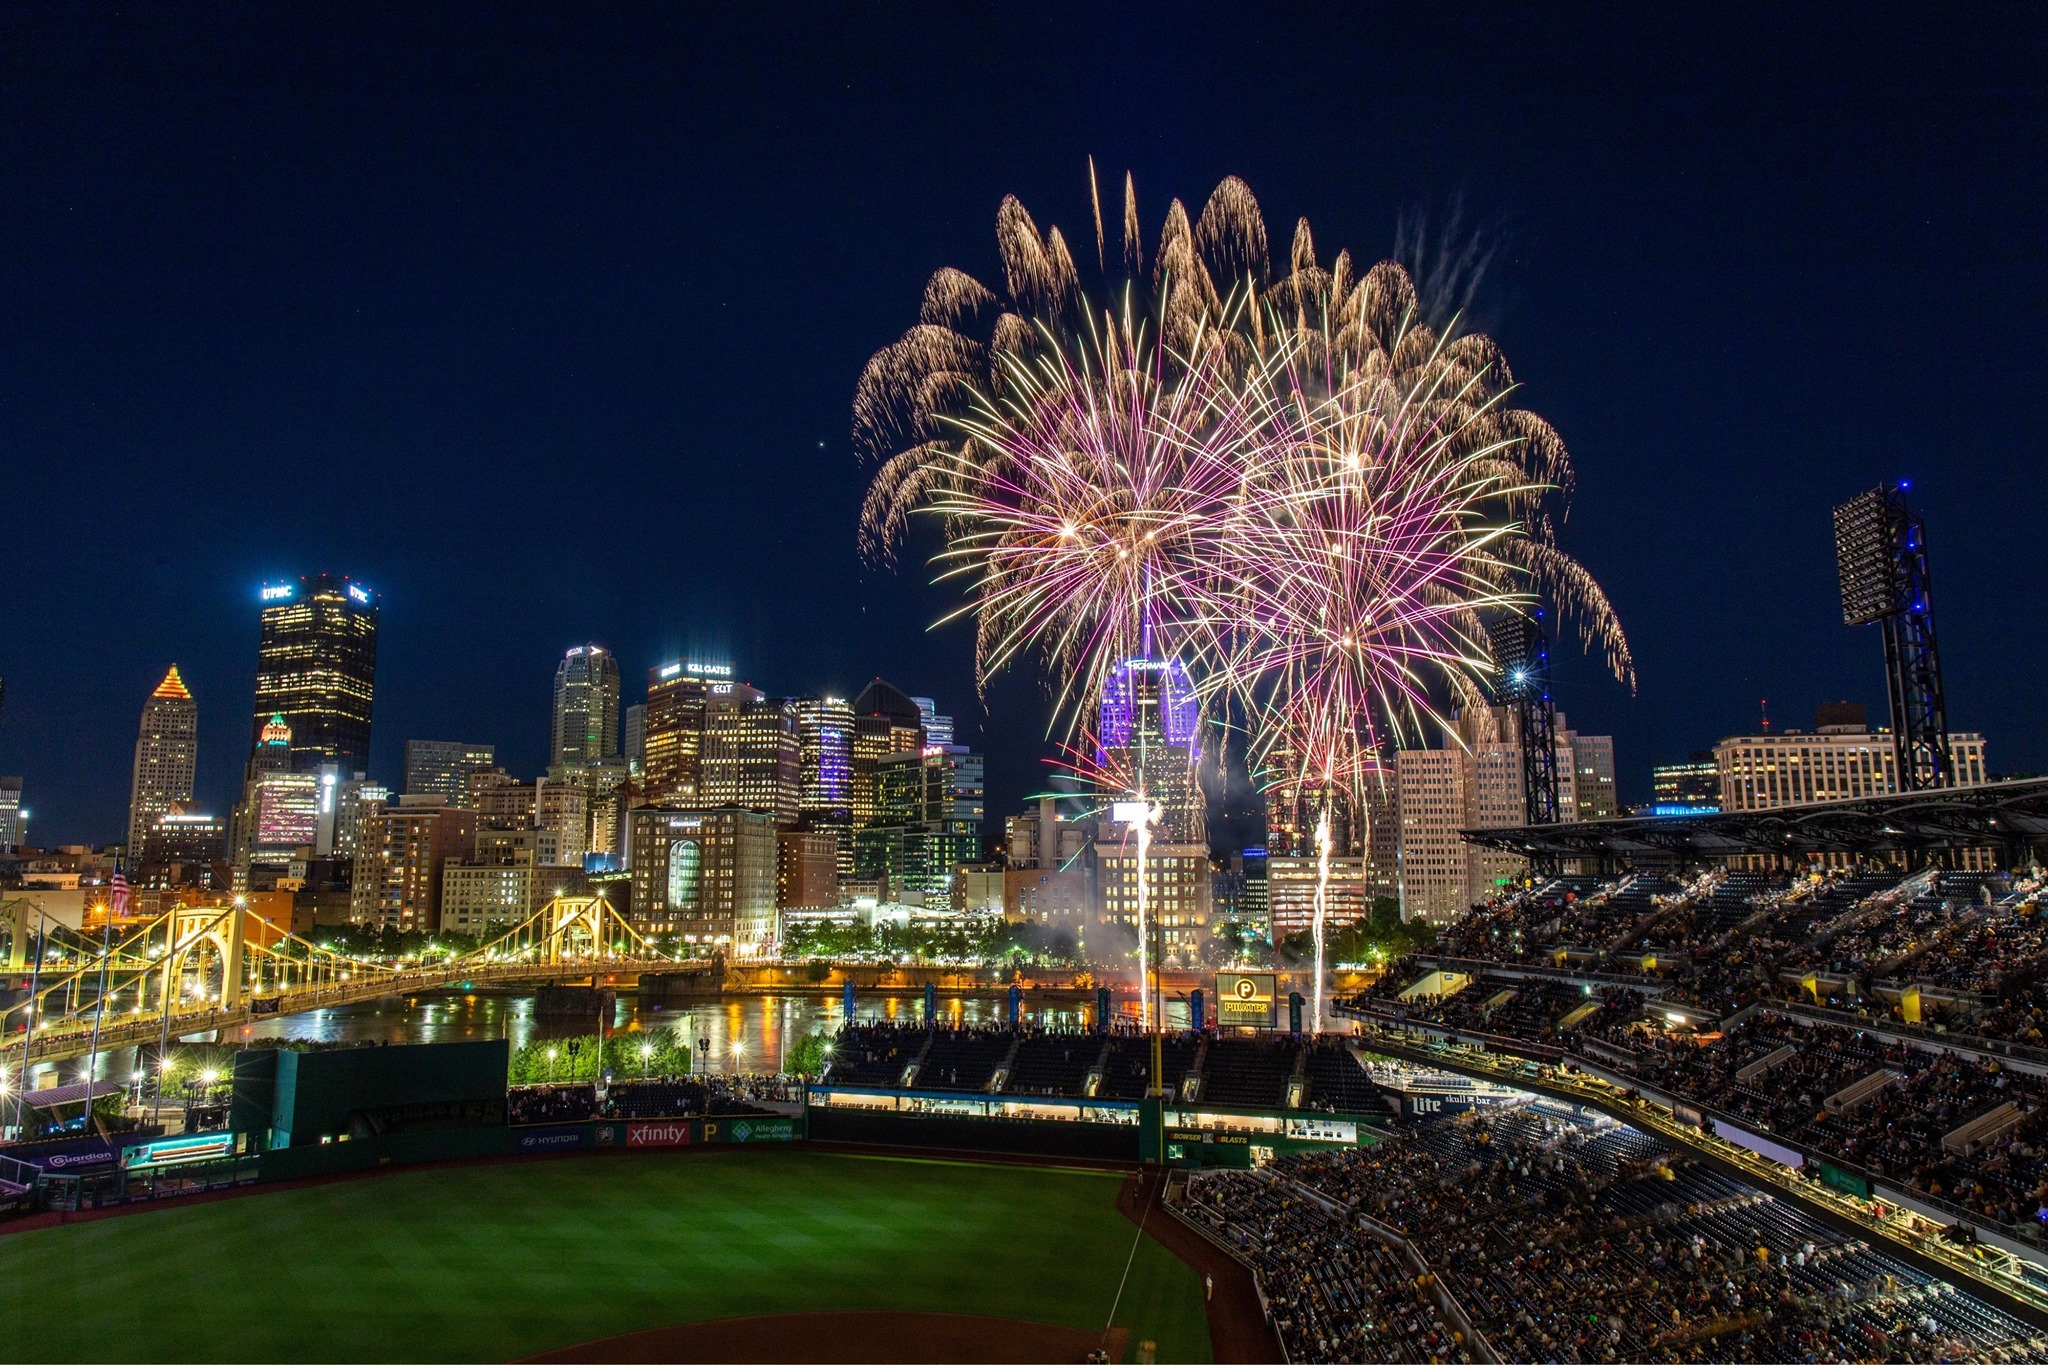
(13, 819)
(344, 799)
(562, 806)
(886, 721)
(401, 855)
(441, 767)
(750, 754)
(1290, 887)
(1473, 782)
(706, 877)
(636, 740)
(1840, 759)
(824, 732)
(478, 896)
(928, 813)
(1689, 788)
(586, 718)
(1148, 731)
(284, 818)
(316, 666)
(674, 727)
(807, 869)
(938, 729)
(166, 759)
(189, 838)
(1592, 758)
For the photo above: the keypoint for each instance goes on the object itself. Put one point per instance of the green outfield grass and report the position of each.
(493, 1262)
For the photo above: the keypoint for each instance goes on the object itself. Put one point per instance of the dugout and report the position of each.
(298, 1099)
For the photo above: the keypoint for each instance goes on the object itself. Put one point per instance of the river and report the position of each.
(745, 1032)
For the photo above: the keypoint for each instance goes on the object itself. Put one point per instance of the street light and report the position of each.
(646, 1051)
(551, 1066)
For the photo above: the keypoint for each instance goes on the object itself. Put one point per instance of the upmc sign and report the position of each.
(658, 1134)
(1245, 999)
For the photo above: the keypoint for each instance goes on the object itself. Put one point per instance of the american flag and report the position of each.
(117, 903)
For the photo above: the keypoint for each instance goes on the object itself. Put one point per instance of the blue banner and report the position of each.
(931, 1004)
(1016, 996)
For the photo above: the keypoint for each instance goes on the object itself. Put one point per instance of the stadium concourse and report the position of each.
(1888, 1027)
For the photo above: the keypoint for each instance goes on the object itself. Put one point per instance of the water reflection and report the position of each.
(740, 1033)
(762, 1026)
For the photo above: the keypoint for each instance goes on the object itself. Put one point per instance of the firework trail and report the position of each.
(1298, 485)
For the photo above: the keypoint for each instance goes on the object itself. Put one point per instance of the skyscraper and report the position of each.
(750, 753)
(928, 813)
(441, 767)
(1148, 729)
(673, 731)
(166, 758)
(316, 665)
(13, 819)
(586, 707)
(1147, 726)
(1474, 782)
(636, 740)
(938, 729)
(885, 721)
(824, 732)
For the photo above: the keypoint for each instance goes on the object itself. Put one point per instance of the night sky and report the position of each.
(546, 322)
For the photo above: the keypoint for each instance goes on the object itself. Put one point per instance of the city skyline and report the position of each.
(1674, 306)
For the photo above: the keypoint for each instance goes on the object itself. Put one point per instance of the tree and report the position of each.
(807, 1055)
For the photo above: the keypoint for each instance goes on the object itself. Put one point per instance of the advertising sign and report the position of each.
(1245, 999)
(82, 1155)
(669, 1133)
(560, 1137)
(761, 1130)
(179, 1151)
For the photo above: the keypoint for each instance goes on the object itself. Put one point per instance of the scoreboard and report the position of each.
(1245, 999)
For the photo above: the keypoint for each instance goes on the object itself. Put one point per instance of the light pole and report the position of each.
(646, 1051)
(551, 1066)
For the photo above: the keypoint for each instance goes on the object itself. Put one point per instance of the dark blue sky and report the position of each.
(545, 322)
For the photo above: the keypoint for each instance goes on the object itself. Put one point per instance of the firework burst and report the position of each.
(1300, 486)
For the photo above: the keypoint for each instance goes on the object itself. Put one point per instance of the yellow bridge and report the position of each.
(202, 967)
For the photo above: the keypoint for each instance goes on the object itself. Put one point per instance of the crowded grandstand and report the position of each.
(1892, 1024)
(1530, 1232)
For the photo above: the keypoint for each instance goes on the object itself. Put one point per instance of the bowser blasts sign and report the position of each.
(1245, 999)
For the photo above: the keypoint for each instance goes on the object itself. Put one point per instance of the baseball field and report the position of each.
(505, 1260)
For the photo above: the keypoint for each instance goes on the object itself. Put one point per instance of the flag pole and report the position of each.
(28, 1015)
(118, 898)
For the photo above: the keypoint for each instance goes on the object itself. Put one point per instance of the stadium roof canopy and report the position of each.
(2008, 815)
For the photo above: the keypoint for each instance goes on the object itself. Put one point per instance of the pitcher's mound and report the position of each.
(852, 1338)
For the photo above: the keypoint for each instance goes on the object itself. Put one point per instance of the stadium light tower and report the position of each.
(1881, 557)
(1523, 653)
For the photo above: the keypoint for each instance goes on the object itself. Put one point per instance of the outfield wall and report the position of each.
(963, 1133)
(464, 1144)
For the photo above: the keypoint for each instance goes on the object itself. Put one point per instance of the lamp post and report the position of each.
(646, 1051)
